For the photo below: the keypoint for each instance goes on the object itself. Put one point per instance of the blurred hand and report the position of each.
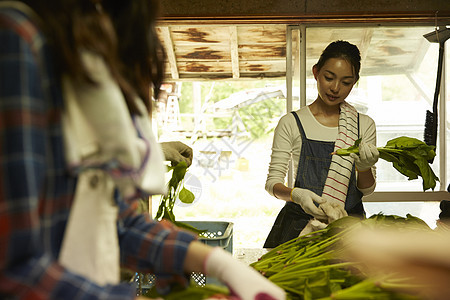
(243, 281)
(307, 199)
(417, 260)
(368, 156)
(176, 152)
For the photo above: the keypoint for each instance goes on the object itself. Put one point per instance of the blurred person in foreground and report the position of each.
(77, 152)
(417, 260)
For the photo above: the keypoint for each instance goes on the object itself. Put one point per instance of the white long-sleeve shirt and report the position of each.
(287, 140)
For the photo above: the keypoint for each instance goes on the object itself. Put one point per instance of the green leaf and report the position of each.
(186, 196)
(404, 142)
(429, 178)
(160, 210)
(407, 167)
(165, 210)
(351, 149)
(168, 215)
(408, 155)
(388, 155)
(178, 174)
(189, 227)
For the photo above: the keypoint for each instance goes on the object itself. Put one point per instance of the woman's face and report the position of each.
(335, 80)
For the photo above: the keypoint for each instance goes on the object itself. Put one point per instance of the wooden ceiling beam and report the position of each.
(234, 51)
(170, 52)
(306, 11)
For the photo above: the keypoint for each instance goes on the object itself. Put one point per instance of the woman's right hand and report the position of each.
(334, 211)
(307, 199)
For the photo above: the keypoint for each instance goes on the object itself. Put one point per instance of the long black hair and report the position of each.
(344, 50)
(114, 30)
(140, 50)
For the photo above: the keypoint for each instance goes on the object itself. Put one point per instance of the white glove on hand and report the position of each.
(306, 198)
(176, 152)
(334, 211)
(243, 281)
(368, 156)
(313, 225)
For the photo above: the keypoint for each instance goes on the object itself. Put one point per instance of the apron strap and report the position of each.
(299, 124)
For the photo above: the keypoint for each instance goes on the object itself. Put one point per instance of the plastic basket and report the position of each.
(217, 234)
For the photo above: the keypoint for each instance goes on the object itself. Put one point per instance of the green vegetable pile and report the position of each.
(176, 190)
(409, 156)
(309, 267)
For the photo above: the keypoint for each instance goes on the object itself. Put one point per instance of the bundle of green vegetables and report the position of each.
(309, 267)
(176, 190)
(409, 156)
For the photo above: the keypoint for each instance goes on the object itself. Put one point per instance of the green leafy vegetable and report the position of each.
(186, 196)
(408, 155)
(176, 190)
(310, 266)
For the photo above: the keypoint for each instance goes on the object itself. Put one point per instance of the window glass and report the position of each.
(230, 127)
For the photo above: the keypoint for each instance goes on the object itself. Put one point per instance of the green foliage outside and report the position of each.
(257, 117)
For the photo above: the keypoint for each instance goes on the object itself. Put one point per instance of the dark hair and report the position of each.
(140, 50)
(344, 50)
(71, 25)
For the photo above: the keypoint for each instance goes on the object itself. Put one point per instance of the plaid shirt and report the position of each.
(36, 192)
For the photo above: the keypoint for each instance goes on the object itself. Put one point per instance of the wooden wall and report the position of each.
(286, 11)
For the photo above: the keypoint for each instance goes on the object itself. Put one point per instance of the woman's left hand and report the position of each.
(368, 156)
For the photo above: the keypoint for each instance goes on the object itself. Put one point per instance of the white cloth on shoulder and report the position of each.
(336, 184)
(338, 178)
(107, 149)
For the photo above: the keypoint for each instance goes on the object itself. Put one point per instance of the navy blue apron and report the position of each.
(313, 166)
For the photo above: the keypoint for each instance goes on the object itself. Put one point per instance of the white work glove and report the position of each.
(176, 152)
(368, 156)
(243, 281)
(307, 199)
(313, 225)
(334, 211)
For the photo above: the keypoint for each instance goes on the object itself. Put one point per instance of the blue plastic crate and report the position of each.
(217, 234)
